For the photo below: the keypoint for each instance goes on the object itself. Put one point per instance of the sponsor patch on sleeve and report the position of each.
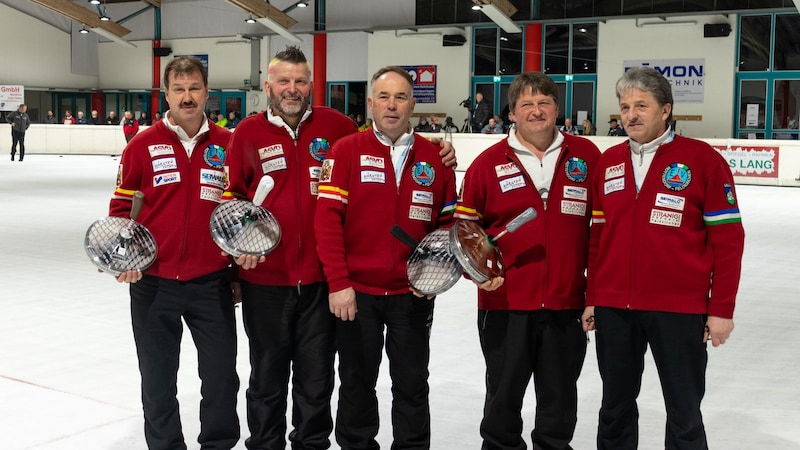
(313, 172)
(420, 213)
(666, 218)
(422, 197)
(119, 175)
(670, 201)
(576, 193)
(314, 188)
(617, 184)
(273, 165)
(573, 208)
(327, 171)
(373, 176)
(509, 184)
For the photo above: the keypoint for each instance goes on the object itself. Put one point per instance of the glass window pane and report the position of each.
(487, 89)
(556, 48)
(510, 53)
(754, 43)
(562, 102)
(786, 107)
(336, 95)
(787, 42)
(752, 101)
(582, 100)
(485, 51)
(584, 48)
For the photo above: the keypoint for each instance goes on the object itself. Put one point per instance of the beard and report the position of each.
(288, 110)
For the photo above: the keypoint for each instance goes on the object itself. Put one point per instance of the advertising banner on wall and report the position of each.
(424, 82)
(686, 75)
(751, 161)
(11, 96)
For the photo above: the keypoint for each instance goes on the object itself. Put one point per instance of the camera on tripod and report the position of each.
(466, 103)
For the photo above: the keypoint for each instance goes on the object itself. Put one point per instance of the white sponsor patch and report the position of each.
(420, 213)
(210, 193)
(373, 176)
(160, 150)
(573, 208)
(506, 169)
(510, 184)
(615, 171)
(422, 197)
(162, 164)
(614, 185)
(575, 193)
(269, 152)
(667, 218)
(314, 188)
(314, 172)
(166, 178)
(273, 164)
(372, 161)
(212, 177)
(670, 201)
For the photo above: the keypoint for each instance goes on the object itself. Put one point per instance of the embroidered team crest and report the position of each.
(318, 148)
(214, 155)
(423, 173)
(576, 170)
(729, 194)
(676, 177)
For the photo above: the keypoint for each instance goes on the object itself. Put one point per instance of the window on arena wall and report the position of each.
(768, 78)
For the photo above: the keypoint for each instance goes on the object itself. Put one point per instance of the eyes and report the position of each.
(541, 104)
(385, 97)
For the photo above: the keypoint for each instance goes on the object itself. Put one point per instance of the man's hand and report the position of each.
(247, 262)
(492, 284)
(718, 330)
(448, 152)
(131, 276)
(587, 319)
(420, 294)
(343, 304)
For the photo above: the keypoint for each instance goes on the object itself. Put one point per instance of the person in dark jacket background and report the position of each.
(20, 122)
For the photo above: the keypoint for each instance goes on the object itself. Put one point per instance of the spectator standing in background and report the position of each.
(481, 113)
(50, 119)
(129, 126)
(68, 119)
(614, 129)
(95, 119)
(112, 119)
(144, 119)
(20, 122)
(81, 120)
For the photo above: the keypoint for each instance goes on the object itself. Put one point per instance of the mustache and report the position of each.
(189, 103)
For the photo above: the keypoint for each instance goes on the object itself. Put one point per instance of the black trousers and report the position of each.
(205, 304)
(676, 342)
(548, 345)
(292, 330)
(407, 320)
(18, 136)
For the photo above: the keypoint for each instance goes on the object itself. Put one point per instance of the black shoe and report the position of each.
(20, 160)
(12, 156)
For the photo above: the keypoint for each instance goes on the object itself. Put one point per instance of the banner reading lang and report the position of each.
(750, 161)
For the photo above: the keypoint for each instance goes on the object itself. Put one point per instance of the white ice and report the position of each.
(68, 370)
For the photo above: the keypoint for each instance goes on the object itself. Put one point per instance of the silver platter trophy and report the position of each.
(116, 244)
(241, 227)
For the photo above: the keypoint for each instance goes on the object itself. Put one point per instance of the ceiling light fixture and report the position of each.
(476, 7)
(500, 11)
(249, 20)
(83, 30)
(269, 16)
(94, 2)
(105, 17)
(302, 5)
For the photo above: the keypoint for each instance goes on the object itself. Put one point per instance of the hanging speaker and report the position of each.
(716, 30)
(453, 40)
(162, 51)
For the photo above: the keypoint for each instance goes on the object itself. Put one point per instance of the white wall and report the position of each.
(621, 40)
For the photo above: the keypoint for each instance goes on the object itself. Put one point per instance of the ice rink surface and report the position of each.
(68, 370)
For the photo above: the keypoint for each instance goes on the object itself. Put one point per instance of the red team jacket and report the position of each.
(259, 148)
(180, 194)
(545, 259)
(659, 249)
(359, 202)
